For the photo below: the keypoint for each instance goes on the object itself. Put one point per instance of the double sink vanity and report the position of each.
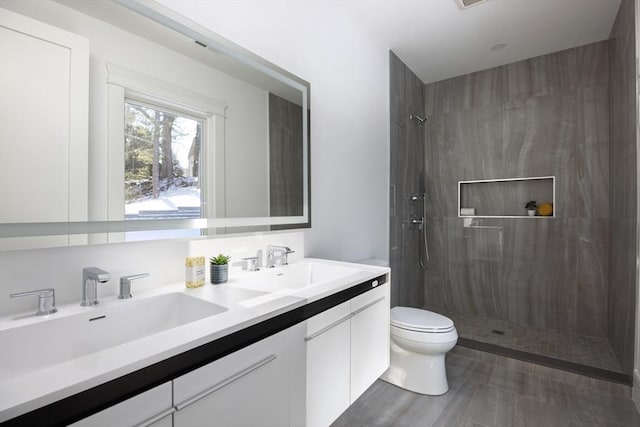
(291, 345)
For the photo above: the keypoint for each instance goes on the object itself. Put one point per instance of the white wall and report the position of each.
(348, 73)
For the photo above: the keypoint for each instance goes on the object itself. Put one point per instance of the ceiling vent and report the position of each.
(465, 4)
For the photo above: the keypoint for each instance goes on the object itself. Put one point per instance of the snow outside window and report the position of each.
(162, 163)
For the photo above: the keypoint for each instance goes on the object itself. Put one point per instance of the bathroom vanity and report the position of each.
(293, 345)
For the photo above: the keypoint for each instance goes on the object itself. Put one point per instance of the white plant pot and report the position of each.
(531, 212)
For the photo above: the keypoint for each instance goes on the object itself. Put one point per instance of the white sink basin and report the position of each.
(59, 339)
(294, 276)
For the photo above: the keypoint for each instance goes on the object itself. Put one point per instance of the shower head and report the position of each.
(420, 119)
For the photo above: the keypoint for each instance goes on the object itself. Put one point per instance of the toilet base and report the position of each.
(420, 373)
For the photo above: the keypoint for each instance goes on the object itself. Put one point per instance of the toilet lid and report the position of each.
(416, 319)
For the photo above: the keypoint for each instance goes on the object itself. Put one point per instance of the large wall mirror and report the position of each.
(122, 120)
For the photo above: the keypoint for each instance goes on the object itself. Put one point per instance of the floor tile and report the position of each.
(492, 393)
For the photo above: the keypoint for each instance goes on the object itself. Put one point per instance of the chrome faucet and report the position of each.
(272, 250)
(252, 263)
(46, 300)
(125, 284)
(91, 276)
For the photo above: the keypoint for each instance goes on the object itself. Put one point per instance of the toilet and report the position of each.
(419, 341)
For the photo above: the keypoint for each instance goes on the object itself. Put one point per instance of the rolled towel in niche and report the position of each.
(467, 211)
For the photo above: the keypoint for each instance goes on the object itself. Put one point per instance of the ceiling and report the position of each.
(438, 40)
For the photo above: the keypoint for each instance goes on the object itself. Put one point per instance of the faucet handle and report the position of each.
(46, 300)
(125, 284)
(251, 263)
(284, 257)
(284, 251)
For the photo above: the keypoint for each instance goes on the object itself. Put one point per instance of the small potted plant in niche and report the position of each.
(219, 268)
(531, 207)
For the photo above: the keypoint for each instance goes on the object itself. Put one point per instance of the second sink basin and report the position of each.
(58, 339)
(294, 276)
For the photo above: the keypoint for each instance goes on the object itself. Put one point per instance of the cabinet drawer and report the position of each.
(146, 409)
(247, 388)
(363, 300)
(195, 382)
(325, 320)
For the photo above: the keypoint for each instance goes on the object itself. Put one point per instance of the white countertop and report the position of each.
(24, 393)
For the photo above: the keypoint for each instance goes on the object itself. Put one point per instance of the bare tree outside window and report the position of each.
(162, 164)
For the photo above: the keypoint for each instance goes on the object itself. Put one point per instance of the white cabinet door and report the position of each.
(163, 422)
(369, 338)
(328, 355)
(249, 388)
(44, 82)
(347, 350)
(151, 408)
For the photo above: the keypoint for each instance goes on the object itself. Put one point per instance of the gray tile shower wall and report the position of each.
(407, 168)
(547, 115)
(286, 193)
(623, 196)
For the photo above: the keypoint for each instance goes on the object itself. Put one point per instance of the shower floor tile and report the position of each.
(581, 349)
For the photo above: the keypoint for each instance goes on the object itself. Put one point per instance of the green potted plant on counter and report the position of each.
(219, 268)
(531, 207)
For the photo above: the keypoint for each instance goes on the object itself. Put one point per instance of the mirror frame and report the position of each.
(208, 226)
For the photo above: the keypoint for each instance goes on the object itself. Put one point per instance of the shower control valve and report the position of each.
(416, 221)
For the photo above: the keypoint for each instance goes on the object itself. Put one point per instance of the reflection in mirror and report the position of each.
(141, 120)
(162, 155)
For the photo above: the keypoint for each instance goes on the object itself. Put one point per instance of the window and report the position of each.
(162, 163)
(166, 158)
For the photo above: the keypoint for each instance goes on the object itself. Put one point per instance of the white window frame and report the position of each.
(124, 84)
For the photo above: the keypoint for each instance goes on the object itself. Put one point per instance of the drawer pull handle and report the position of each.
(225, 382)
(361, 309)
(157, 417)
(336, 323)
(326, 328)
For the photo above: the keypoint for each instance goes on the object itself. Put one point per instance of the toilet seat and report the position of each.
(418, 320)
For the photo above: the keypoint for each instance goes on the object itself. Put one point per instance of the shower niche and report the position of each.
(505, 197)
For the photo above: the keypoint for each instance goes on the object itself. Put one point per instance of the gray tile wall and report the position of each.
(407, 168)
(286, 192)
(623, 186)
(548, 115)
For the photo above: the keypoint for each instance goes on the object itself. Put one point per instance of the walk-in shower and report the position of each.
(557, 290)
